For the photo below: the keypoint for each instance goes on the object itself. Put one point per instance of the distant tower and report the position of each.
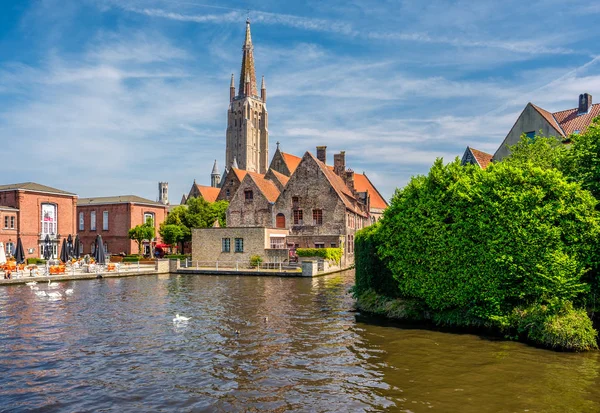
(247, 119)
(163, 193)
(215, 178)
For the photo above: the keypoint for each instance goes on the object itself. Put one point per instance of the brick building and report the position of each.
(112, 217)
(252, 204)
(31, 211)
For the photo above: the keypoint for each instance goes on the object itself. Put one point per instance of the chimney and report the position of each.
(350, 179)
(322, 154)
(585, 103)
(339, 163)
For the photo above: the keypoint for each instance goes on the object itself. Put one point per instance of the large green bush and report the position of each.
(371, 272)
(489, 240)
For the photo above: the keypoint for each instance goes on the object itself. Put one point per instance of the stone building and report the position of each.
(321, 208)
(113, 217)
(247, 119)
(230, 183)
(209, 193)
(31, 211)
(252, 204)
(534, 120)
(236, 245)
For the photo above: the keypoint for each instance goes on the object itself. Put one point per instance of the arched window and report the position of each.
(280, 221)
(49, 220)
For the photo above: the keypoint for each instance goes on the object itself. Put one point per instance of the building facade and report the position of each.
(247, 139)
(113, 217)
(31, 212)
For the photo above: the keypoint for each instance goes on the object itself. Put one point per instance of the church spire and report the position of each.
(248, 65)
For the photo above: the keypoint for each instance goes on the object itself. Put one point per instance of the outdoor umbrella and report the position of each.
(76, 247)
(19, 252)
(64, 251)
(69, 246)
(99, 254)
(2, 254)
(47, 250)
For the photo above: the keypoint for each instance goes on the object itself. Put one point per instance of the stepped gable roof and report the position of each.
(339, 186)
(120, 199)
(267, 187)
(283, 180)
(292, 161)
(363, 184)
(209, 193)
(571, 122)
(34, 187)
(483, 159)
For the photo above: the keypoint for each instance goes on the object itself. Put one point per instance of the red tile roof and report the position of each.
(549, 118)
(363, 184)
(280, 177)
(209, 193)
(292, 161)
(482, 158)
(570, 122)
(339, 186)
(267, 187)
(240, 173)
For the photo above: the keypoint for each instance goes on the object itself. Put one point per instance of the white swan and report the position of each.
(51, 284)
(40, 293)
(69, 291)
(55, 295)
(179, 318)
(34, 288)
(31, 284)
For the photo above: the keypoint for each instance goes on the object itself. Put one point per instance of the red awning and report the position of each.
(162, 246)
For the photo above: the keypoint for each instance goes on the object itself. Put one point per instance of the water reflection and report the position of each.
(113, 343)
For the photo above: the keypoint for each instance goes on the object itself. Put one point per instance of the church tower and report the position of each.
(247, 120)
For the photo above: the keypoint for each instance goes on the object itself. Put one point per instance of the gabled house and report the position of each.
(277, 178)
(561, 124)
(252, 203)
(230, 183)
(319, 208)
(284, 163)
(209, 193)
(476, 157)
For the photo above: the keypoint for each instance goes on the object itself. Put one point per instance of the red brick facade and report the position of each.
(24, 206)
(122, 216)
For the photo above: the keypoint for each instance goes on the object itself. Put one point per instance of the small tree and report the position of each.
(171, 233)
(142, 232)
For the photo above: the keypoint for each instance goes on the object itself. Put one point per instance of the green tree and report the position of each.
(582, 163)
(544, 151)
(171, 234)
(142, 232)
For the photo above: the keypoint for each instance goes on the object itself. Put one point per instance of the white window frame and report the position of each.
(104, 220)
(81, 221)
(92, 220)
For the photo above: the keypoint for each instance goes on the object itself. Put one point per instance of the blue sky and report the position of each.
(108, 97)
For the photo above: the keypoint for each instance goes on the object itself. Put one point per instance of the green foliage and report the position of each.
(370, 271)
(36, 261)
(131, 258)
(171, 234)
(331, 254)
(582, 163)
(256, 260)
(545, 152)
(474, 244)
(197, 213)
(177, 256)
(142, 232)
(557, 325)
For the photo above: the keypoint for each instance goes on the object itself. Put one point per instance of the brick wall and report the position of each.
(121, 218)
(29, 218)
(249, 213)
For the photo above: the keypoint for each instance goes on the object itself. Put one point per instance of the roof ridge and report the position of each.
(541, 110)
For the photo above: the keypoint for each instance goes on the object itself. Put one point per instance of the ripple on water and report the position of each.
(112, 345)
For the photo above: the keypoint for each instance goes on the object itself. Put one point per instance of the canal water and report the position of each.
(112, 346)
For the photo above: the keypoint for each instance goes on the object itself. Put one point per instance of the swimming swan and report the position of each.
(179, 318)
(69, 291)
